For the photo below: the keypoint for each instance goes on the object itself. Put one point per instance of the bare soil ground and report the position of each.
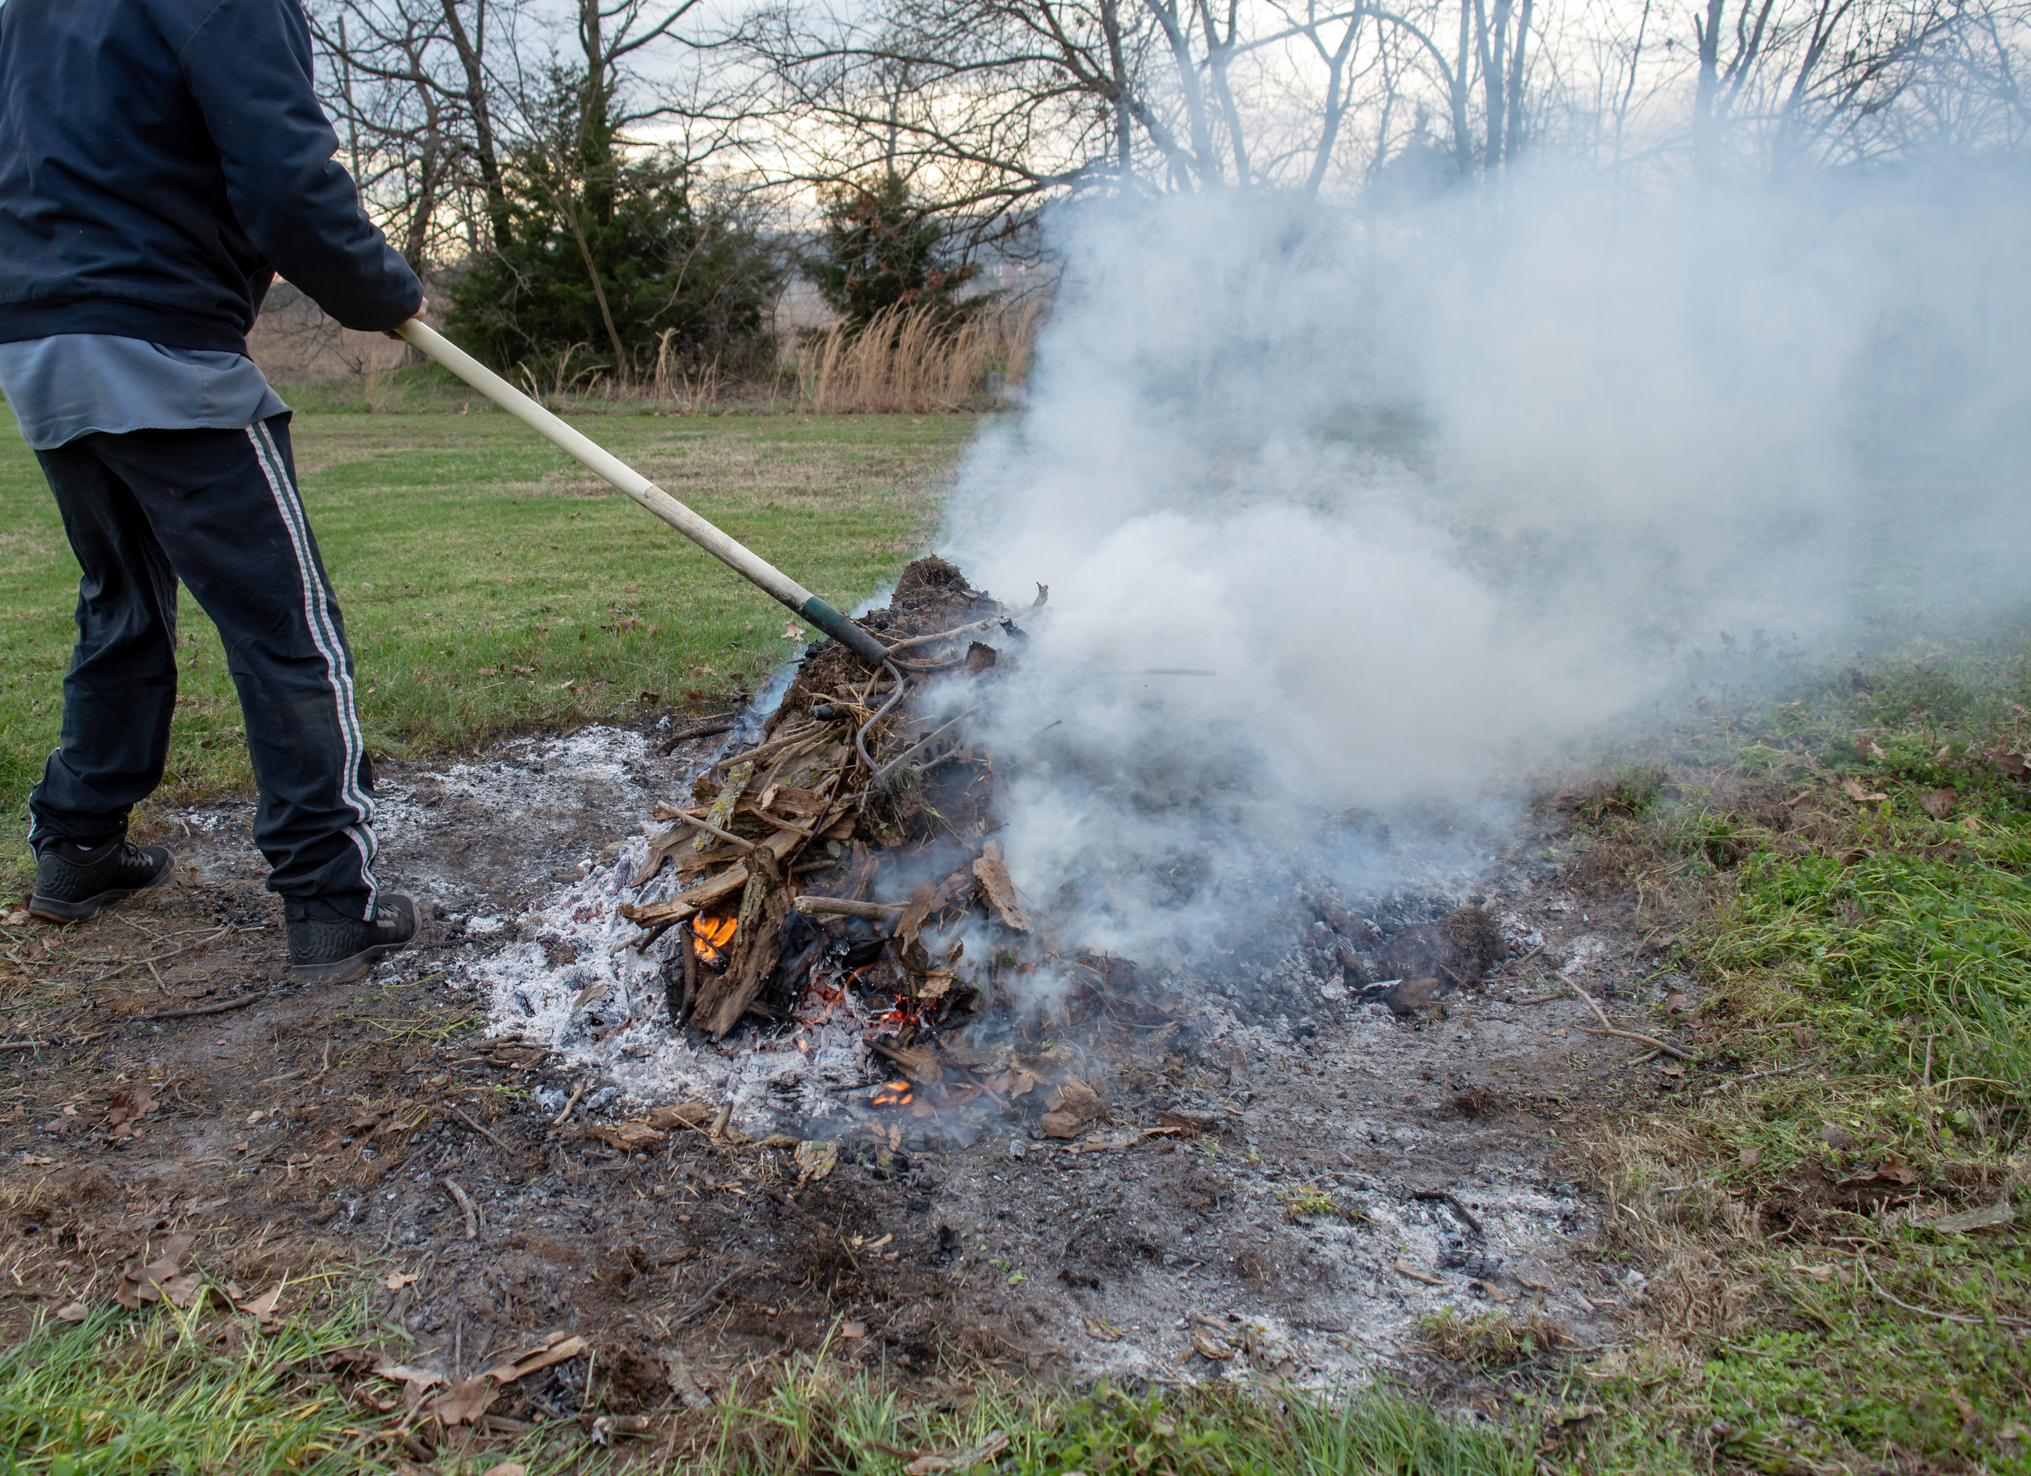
(1342, 1173)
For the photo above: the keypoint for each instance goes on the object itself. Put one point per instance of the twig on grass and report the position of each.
(1777, 1071)
(484, 1134)
(705, 1303)
(576, 1092)
(157, 958)
(1862, 1261)
(217, 1007)
(1608, 1028)
(465, 1205)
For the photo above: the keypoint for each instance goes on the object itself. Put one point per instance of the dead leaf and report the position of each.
(994, 880)
(853, 1329)
(1891, 1172)
(145, 1283)
(74, 1312)
(184, 1289)
(507, 1468)
(1102, 1331)
(263, 1308)
(815, 1160)
(627, 1136)
(1749, 1156)
(1876, 751)
(1403, 1268)
(1853, 790)
(980, 1455)
(791, 632)
(128, 1108)
(1988, 1217)
(1076, 1099)
(464, 1402)
(1938, 803)
(415, 1382)
(2013, 765)
(1209, 1346)
(1852, 856)
(1061, 1124)
(694, 1113)
(396, 1280)
(561, 1348)
(1971, 825)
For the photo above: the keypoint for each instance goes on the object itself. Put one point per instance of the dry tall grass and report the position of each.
(905, 360)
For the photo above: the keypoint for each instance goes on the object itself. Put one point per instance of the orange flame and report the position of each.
(895, 1094)
(710, 935)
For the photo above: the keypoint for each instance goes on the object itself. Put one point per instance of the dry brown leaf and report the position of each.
(1404, 1268)
(396, 1280)
(74, 1312)
(145, 1283)
(628, 1136)
(815, 1160)
(1077, 1100)
(1938, 803)
(2013, 765)
(1061, 1124)
(464, 1402)
(263, 1308)
(979, 1455)
(560, 1348)
(695, 1113)
(1748, 1156)
(128, 1108)
(184, 1289)
(1988, 1217)
(506, 1468)
(1852, 788)
(1208, 1346)
(1102, 1331)
(994, 880)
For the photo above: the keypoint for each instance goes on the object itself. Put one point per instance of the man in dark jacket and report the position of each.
(160, 161)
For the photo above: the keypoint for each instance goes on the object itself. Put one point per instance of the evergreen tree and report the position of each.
(880, 249)
(608, 251)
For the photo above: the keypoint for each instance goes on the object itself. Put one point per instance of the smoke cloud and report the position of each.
(1442, 493)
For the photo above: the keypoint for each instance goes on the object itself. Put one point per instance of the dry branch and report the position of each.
(1608, 1028)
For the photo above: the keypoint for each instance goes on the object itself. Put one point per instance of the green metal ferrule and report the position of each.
(843, 630)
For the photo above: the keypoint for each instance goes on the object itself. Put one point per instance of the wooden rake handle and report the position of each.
(610, 468)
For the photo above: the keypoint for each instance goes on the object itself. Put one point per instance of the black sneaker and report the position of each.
(72, 882)
(327, 947)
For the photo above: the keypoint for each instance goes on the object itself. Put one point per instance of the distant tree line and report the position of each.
(633, 183)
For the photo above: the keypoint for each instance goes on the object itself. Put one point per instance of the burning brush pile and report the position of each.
(826, 928)
(843, 870)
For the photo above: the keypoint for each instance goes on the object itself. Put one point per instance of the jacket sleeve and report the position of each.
(248, 65)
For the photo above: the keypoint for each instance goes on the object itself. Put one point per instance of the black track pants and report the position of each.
(219, 510)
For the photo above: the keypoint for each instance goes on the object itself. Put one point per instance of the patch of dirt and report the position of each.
(296, 1127)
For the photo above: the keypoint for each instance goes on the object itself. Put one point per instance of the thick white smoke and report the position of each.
(1440, 493)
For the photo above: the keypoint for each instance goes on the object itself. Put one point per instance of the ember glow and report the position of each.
(897, 1093)
(710, 937)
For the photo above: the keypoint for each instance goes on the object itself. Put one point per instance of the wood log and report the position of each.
(846, 907)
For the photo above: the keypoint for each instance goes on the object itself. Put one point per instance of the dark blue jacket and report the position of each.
(161, 161)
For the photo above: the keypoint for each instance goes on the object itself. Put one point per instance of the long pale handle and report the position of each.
(603, 463)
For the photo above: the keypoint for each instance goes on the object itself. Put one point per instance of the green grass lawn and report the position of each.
(490, 584)
(1848, 863)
